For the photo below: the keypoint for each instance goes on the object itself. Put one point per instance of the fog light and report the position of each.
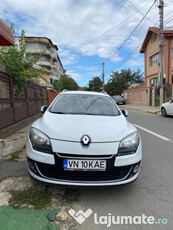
(136, 168)
(31, 166)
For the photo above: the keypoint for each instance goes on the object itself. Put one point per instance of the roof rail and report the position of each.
(104, 92)
(64, 90)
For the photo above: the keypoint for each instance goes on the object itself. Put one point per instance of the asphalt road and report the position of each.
(12, 169)
(152, 193)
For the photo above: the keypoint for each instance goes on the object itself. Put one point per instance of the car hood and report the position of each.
(69, 127)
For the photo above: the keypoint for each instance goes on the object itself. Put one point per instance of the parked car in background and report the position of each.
(167, 108)
(119, 100)
(84, 139)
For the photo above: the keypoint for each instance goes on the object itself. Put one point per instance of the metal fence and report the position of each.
(14, 109)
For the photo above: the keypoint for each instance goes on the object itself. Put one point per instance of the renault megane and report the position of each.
(83, 139)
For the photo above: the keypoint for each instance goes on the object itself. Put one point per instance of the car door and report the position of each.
(170, 107)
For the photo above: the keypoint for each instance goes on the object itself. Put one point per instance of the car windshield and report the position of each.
(84, 104)
(117, 97)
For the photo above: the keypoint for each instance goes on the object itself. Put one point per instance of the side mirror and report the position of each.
(124, 112)
(171, 101)
(43, 108)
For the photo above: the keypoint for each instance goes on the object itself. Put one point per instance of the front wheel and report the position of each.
(163, 111)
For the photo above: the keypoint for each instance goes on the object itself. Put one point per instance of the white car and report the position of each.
(167, 108)
(84, 139)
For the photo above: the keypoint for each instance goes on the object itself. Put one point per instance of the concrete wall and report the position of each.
(137, 96)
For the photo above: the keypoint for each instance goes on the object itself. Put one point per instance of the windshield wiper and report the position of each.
(91, 105)
(58, 112)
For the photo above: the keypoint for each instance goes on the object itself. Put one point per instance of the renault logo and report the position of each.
(85, 140)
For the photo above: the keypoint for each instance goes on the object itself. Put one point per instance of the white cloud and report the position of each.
(74, 75)
(135, 62)
(68, 58)
(72, 24)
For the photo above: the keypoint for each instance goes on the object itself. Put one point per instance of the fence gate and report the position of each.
(150, 96)
(167, 92)
(157, 96)
(14, 109)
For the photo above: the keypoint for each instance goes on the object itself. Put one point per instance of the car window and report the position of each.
(84, 104)
(117, 97)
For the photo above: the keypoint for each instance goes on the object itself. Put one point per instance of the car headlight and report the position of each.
(129, 144)
(40, 141)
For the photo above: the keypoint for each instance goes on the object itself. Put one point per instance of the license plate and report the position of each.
(85, 165)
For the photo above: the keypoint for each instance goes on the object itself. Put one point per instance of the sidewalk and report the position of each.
(15, 142)
(147, 109)
(14, 145)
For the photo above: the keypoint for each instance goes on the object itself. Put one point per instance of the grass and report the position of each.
(37, 199)
(15, 155)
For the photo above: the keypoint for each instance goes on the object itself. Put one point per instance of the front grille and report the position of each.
(82, 156)
(56, 172)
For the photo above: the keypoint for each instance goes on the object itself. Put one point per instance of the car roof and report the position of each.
(85, 93)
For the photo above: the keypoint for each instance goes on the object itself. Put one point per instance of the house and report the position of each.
(49, 61)
(150, 93)
(151, 50)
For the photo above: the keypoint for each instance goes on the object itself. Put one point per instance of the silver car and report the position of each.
(84, 139)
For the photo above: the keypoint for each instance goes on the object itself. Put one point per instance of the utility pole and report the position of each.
(93, 85)
(103, 75)
(161, 3)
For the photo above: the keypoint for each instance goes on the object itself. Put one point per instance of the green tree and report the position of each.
(84, 88)
(116, 84)
(121, 80)
(65, 82)
(19, 63)
(132, 76)
(95, 84)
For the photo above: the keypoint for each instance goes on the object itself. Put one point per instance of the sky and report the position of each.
(89, 32)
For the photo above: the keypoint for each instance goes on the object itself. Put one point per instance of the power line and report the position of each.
(137, 10)
(167, 22)
(129, 55)
(130, 34)
(99, 69)
(84, 44)
(91, 41)
(125, 58)
(168, 14)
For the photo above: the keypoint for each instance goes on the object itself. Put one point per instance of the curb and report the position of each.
(138, 109)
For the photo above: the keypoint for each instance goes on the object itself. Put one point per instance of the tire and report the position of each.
(163, 111)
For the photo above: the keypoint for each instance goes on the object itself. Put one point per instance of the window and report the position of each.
(51, 80)
(154, 38)
(154, 59)
(154, 82)
(55, 72)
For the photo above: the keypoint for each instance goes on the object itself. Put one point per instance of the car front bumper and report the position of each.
(49, 168)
